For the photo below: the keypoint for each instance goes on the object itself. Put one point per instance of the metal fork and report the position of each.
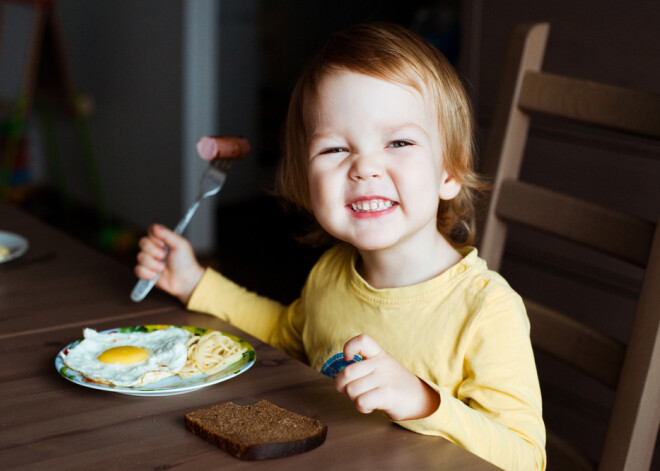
(213, 179)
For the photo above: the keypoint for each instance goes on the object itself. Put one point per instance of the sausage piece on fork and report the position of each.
(222, 147)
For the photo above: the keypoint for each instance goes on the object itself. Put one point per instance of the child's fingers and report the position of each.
(357, 349)
(348, 380)
(166, 236)
(362, 346)
(154, 233)
(147, 268)
(356, 379)
(371, 400)
(152, 247)
(145, 260)
(144, 273)
(367, 391)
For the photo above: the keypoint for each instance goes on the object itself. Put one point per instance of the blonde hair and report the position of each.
(396, 54)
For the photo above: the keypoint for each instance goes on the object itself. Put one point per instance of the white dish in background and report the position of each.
(168, 386)
(16, 244)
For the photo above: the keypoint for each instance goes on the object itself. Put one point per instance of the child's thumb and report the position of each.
(171, 238)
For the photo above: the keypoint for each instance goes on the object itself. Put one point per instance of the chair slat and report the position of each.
(615, 233)
(595, 103)
(636, 412)
(527, 91)
(576, 344)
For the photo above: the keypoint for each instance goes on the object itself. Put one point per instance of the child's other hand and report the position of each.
(180, 270)
(381, 382)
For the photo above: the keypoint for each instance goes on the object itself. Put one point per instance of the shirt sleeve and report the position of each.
(264, 318)
(496, 412)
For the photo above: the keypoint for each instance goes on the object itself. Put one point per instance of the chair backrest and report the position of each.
(632, 369)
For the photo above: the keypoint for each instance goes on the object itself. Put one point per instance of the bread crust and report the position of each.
(256, 432)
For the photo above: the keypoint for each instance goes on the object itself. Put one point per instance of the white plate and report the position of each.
(16, 244)
(168, 386)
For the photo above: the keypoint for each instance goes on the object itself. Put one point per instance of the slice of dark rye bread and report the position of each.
(256, 432)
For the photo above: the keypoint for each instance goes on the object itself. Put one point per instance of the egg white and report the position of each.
(167, 356)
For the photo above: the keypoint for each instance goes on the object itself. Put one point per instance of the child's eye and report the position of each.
(333, 150)
(400, 144)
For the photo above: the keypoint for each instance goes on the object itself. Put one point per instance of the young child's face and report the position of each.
(375, 162)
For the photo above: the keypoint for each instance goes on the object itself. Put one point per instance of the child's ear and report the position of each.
(449, 186)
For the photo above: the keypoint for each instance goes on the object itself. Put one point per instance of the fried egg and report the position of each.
(129, 359)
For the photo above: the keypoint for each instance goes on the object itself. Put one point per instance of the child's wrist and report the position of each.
(429, 401)
(192, 280)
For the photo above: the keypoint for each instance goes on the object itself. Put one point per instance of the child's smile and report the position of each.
(371, 207)
(375, 163)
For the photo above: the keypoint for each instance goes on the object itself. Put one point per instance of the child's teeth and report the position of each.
(373, 205)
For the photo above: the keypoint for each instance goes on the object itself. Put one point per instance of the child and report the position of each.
(401, 311)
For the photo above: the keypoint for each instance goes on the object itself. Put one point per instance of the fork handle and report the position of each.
(185, 220)
(143, 287)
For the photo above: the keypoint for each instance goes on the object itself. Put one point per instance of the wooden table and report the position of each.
(61, 282)
(48, 422)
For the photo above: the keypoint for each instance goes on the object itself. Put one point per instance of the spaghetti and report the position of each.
(210, 353)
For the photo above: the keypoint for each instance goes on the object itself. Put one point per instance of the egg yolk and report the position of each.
(125, 355)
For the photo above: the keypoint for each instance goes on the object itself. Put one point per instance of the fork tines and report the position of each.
(222, 164)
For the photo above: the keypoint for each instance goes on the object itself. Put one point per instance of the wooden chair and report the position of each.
(632, 370)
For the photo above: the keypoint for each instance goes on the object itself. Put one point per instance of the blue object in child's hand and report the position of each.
(336, 364)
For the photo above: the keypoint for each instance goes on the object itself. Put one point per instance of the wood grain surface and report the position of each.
(49, 422)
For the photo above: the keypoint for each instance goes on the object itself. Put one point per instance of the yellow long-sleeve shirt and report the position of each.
(464, 332)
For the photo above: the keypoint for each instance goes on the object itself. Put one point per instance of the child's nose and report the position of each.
(366, 166)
